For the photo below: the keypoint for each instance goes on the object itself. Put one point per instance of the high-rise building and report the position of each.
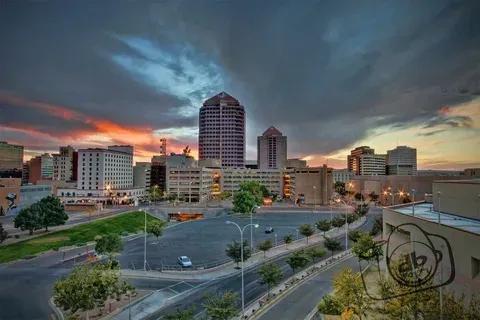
(105, 169)
(272, 149)
(40, 168)
(222, 131)
(142, 174)
(158, 172)
(65, 164)
(363, 161)
(11, 160)
(402, 161)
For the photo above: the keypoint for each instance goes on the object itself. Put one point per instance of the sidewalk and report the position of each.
(229, 268)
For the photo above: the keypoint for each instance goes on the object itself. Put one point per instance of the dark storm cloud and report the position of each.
(323, 72)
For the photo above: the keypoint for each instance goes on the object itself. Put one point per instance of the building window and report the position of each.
(475, 267)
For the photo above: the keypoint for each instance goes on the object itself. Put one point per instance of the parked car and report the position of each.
(184, 261)
(269, 230)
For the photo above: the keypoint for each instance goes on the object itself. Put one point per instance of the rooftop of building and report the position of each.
(271, 132)
(102, 150)
(471, 181)
(425, 211)
(222, 97)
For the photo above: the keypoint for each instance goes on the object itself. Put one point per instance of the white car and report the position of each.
(184, 261)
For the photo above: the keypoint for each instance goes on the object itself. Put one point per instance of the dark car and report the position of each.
(269, 230)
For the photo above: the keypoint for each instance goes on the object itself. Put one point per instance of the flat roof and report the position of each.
(425, 211)
(469, 181)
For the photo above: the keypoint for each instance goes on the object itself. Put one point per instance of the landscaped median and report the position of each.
(130, 222)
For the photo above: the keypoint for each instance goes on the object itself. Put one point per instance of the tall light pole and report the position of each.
(314, 198)
(145, 242)
(251, 227)
(413, 202)
(241, 230)
(438, 207)
(346, 222)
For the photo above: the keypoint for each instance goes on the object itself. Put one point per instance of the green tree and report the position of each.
(186, 314)
(354, 235)
(377, 226)
(332, 245)
(324, 226)
(243, 202)
(222, 306)
(271, 275)
(365, 248)
(265, 246)
(349, 290)
(288, 239)
(340, 188)
(233, 251)
(315, 253)
(108, 244)
(52, 212)
(298, 260)
(330, 305)
(256, 189)
(3, 233)
(154, 193)
(156, 227)
(88, 287)
(29, 218)
(351, 218)
(337, 222)
(306, 230)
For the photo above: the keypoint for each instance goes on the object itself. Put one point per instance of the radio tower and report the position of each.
(163, 147)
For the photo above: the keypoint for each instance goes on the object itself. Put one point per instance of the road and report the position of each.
(253, 288)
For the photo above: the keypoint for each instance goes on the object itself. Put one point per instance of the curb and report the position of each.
(56, 310)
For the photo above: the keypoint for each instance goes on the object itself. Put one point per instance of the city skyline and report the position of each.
(139, 74)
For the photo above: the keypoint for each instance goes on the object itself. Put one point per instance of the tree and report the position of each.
(297, 260)
(89, 286)
(257, 190)
(361, 209)
(324, 226)
(340, 188)
(377, 226)
(3, 233)
(52, 212)
(222, 306)
(373, 196)
(358, 196)
(288, 239)
(108, 244)
(265, 246)
(29, 218)
(332, 245)
(271, 275)
(186, 314)
(351, 218)
(172, 197)
(354, 235)
(156, 227)
(306, 230)
(337, 222)
(234, 251)
(243, 202)
(315, 253)
(330, 305)
(154, 193)
(349, 290)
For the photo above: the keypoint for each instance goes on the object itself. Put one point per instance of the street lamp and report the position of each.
(438, 207)
(251, 226)
(346, 222)
(314, 198)
(241, 230)
(145, 242)
(413, 202)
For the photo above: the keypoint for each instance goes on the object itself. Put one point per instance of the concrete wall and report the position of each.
(458, 197)
(464, 253)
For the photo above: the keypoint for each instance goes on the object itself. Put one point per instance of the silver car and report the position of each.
(184, 261)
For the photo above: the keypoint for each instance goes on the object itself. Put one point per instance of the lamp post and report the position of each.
(413, 202)
(251, 227)
(438, 207)
(346, 222)
(145, 242)
(314, 198)
(241, 230)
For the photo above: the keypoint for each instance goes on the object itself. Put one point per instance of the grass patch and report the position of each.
(129, 222)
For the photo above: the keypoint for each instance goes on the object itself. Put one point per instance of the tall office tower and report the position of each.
(142, 175)
(40, 168)
(65, 164)
(353, 160)
(402, 161)
(158, 172)
(222, 131)
(272, 149)
(105, 169)
(11, 160)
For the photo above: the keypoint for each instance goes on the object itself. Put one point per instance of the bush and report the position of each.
(329, 305)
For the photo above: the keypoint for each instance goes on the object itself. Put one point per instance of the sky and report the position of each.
(331, 75)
